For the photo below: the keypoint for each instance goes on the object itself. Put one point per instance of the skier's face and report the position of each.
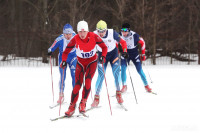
(82, 34)
(68, 36)
(102, 33)
(125, 33)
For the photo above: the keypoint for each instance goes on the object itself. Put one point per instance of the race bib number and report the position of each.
(88, 54)
(82, 54)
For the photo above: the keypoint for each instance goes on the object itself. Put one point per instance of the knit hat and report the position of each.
(82, 25)
(67, 29)
(101, 25)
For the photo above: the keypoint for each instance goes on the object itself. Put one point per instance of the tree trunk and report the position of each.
(189, 39)
(143, 19)
(199, 49)
(45, 23)
(154, 32)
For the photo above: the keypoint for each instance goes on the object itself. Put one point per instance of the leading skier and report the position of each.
(85, 43)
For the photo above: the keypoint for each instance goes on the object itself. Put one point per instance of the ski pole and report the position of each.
(52, 79)
(106, 88)
(132, 82)
(61, 90)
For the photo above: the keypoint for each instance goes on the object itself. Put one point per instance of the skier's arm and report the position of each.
(121, 41)
(101, 44)
(142, 43)
(69, 47)
(55, 44)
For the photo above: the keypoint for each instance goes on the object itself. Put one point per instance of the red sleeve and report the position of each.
(142, 43)
(123, 44)
(101, 44)
(69, 47)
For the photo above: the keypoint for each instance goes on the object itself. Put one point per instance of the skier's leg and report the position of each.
(123, 70)
(138, 66)
(100, 77)
(72, 67)
(90, 71)
(116, 71)
(62, 77)
(62, 84)
(123, 74)
(78, 82)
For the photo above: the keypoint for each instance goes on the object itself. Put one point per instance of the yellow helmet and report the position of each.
(101, 25)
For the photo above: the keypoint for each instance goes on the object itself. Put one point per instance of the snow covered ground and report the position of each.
(26, 93)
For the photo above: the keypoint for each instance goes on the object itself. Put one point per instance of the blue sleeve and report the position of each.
(55, 44)
(116, 36)
(136, 38)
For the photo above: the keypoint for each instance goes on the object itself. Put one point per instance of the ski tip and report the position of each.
(53, 119)
(154, 93)
(51, 107)
(83, 114)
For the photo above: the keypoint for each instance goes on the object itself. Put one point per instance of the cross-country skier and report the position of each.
(85, 44)
(133, 39)
(61, 42)
(109, 36)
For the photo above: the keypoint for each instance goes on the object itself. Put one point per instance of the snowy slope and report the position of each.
(26, 93)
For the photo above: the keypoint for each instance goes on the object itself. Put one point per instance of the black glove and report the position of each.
(125, 55)
(63, 64)
(49, 53)
(102, 59)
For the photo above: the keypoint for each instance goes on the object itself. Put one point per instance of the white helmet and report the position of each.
(82, 25)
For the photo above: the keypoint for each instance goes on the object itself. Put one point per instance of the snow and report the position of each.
(26, 93)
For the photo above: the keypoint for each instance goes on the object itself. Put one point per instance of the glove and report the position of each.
(125, 55)
(143, 57)
(49, 53)
(102, 59)
(63, 64)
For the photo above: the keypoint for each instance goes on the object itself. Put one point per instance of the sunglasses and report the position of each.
(125, 29)
(101, 31)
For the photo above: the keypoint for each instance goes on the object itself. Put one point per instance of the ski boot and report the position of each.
(61, 98)
(71, 110)
(96, 101)
(119, 97)
(82, 106)
(148, 89)
(124, 89)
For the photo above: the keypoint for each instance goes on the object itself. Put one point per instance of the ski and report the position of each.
(154, 93)
(61, 117)
(121, 93)
(79, 115)
(123, 107)
(65, 116)
(91, 108)
(83, 114)
(56, 105)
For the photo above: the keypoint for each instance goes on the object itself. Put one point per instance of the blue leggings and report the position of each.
(111, 57)
(136, 61)
(72, 65)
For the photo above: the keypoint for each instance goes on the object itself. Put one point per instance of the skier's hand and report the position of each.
(49, 53)
(143, 57)
(63, 64)
(125, 55)
(102, 59)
